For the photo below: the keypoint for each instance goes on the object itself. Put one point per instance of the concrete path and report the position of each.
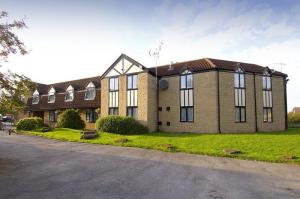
(33, 167)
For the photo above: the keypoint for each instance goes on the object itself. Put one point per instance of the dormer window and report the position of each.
(35, 97)
(51, 95)
(69, 93)
(90, 91)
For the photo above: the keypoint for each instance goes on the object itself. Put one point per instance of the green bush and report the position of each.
(294, 119)
(30, 123)
(70, 119)
(120, 125)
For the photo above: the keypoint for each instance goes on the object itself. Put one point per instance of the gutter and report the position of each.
(255, 105)
(285, 102)
(218, 100)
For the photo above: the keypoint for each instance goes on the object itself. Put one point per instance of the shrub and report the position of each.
(30, 123)
(120, 125)
(294, 117)
(70, 119)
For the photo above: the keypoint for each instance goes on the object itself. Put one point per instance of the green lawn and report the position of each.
(272, 147)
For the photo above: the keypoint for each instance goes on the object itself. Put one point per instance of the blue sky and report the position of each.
(77, 39)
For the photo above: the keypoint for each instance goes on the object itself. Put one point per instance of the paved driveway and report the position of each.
(33, 167)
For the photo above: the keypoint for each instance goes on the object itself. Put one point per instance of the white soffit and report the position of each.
(112, 72)
(134, 69)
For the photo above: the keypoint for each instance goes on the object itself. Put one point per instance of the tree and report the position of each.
(14, 90)
(9, 41)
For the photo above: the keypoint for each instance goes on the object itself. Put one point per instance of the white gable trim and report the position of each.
(124, 65)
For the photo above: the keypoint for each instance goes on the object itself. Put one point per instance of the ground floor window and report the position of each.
(187, 114)
(52, 116)
(268, 114)
(91, 115)
(113, 111)
(240, 114)
(132, 112)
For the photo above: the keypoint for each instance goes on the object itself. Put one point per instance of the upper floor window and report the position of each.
(113, 96)
(186, 80)
(186, 97)
(90, 92)
(69, 94)
(51, 95)
(240, 95)
(267, 84)
(267, 98)
(114, 84)
(35, 97)
(132, 82)
(132, 98)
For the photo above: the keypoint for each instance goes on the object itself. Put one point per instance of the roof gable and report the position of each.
(123, 65)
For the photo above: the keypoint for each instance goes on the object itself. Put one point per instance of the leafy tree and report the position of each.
(14, 88)
(9, 41)
(293, 118)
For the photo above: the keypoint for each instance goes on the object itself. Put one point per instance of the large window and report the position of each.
(132, 105)
(239, 96)
(51, 95)
(113, 96)
(90, 91)
(186, 97)
(91, 115)
(267, 98)
(69, 94)
(52, 116)
(35, 97)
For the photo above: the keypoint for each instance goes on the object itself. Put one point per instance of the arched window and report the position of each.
(90, 91)
(51, 95)
(267, 97)
(35, 97)
(69, 93)
(186, 97)
(239, 95)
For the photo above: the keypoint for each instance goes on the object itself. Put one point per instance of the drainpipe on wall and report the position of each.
(157, 96)
(285, 102)
(218, 99)
(255, 106)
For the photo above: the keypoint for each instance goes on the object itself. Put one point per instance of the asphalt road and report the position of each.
(33, 167)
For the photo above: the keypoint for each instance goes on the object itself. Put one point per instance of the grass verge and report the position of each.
(270, 147)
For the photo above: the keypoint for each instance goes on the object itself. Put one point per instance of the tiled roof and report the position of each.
(78, 84)
(60, 88)
(207, 64)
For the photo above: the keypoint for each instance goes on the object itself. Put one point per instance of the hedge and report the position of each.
(70, 118)
(120, 125)
(30, 123)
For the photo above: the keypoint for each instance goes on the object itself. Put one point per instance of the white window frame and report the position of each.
(35, 95)
(90, 86)
(70, 92)
(51, 93)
